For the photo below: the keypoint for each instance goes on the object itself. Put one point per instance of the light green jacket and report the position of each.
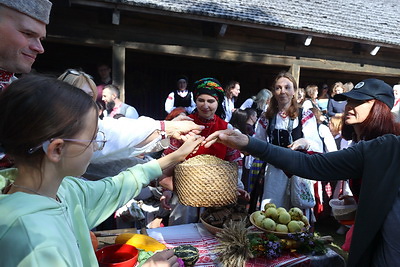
(39, 231)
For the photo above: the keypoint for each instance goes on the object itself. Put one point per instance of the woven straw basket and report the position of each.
(206, 181)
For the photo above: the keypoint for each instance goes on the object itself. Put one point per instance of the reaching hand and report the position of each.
(232, 138)
(190, 145)
(300, 144)
(165, 199)
(166, 180)
(177, 129)
(243, 194)
(165, 258)
(182, 118)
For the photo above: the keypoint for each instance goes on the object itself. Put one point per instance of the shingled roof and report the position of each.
(376, 21)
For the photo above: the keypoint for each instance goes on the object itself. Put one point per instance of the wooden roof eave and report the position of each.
(227, 21)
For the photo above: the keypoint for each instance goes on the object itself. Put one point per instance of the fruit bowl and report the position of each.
(212, 229)
(278, 234)
(222, 216)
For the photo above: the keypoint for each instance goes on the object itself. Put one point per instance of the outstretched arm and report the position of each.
(330, 166)
(231, 138)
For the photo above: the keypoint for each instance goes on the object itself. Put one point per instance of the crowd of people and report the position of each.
(87, 151)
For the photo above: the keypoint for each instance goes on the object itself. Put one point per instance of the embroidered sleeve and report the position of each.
(233, 155)
(310, 131)
(169, 103)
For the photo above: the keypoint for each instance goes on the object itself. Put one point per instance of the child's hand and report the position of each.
(191, 145)
(165, 258)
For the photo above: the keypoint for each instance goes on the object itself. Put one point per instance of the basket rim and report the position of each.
(207, 164)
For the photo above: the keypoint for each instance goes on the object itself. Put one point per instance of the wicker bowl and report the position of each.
(211, 228)
(206, 181)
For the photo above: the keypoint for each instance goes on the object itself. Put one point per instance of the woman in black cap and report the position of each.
(375, 240)
(367, 115)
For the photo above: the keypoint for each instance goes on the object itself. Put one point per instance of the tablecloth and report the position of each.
(195, 234)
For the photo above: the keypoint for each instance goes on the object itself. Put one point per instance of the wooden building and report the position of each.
(149, 42)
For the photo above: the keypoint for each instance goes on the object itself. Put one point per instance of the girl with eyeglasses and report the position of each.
(50, 130)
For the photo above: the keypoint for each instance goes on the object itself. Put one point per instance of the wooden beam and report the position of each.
(261, 58)
(295, 70)
(118, 68)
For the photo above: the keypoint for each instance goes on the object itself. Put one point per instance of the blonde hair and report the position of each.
(336, 85)
(78, 78)
(336, 124)
(311, 89)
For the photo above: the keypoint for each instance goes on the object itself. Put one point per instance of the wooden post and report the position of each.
(118, 68)
(295, 71)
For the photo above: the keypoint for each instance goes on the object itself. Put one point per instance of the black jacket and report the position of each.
(377, 162)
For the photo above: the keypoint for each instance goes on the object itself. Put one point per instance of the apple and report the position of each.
(282, 228)
(268, 224)
(284, 218)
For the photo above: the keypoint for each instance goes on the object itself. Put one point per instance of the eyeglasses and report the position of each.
(76, 73)
(99, 142)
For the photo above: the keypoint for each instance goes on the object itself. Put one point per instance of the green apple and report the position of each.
(294, 227)
(271, 213)
(268, 224)
(280, 209)
(269, 205)
(305, 221)
(258, 216)
(296, 213)
(282, 228)
(284, 218)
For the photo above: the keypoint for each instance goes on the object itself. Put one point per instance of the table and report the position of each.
(195, 234)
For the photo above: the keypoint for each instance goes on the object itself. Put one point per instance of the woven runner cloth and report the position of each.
(196, 235)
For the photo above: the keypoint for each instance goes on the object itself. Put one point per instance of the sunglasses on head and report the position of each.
(76, 73)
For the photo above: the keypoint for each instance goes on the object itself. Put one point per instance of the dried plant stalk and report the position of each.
(234, 245)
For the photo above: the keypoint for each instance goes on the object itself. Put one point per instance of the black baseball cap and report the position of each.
(370, 89)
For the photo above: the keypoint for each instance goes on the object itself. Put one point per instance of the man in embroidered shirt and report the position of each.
(22, 28)
(114, 105)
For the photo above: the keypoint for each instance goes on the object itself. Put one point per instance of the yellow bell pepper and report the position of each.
(140, 241)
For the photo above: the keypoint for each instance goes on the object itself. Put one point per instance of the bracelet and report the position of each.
(162, 132)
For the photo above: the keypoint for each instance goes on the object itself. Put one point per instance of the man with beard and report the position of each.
(114, 105)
